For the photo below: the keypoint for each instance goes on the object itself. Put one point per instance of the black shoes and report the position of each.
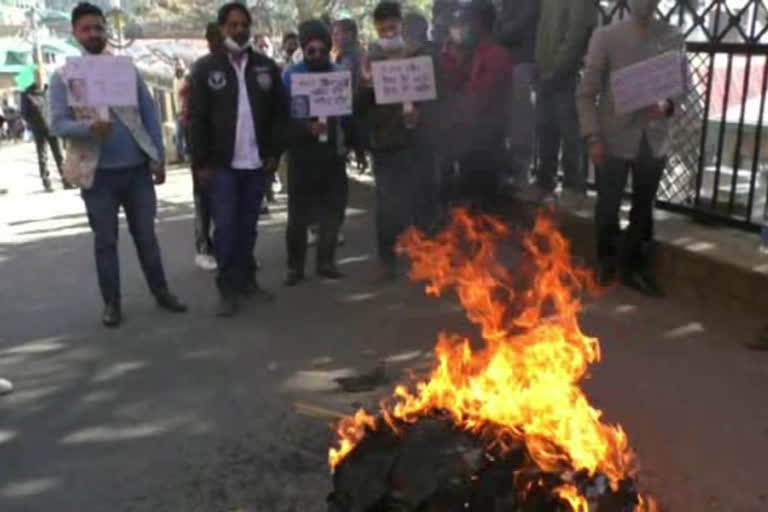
(228, 306)
(606, 274)
(329, 272)
(170, 302)
(293, 278)
(112, 316)
(644, 283)
(253, 290)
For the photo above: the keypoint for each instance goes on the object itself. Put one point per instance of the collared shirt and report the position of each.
(246, 146)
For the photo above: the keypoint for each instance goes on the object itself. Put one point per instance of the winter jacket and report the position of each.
(213, 107)
(478, 85)
(563, 33)
(517, 28)
(386, 124)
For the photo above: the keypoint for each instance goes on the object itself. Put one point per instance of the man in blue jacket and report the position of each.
(317, 179)
(114, 162)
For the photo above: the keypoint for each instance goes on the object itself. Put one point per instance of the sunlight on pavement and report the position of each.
(26, 488)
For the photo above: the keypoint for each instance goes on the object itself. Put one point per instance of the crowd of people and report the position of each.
(536, 70)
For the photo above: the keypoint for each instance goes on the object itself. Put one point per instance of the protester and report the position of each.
(562, 36)
(442, 18)
(113, 162)
(392, 141)
(237, 110)
(290, 45)
(317, 178)
(517, 32)
(478, 71)
(34, 111)
(618, 142)
(204, 254)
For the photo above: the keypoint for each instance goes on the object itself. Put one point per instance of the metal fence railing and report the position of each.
(718, 169)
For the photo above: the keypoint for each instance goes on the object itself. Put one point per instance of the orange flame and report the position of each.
(524, 381)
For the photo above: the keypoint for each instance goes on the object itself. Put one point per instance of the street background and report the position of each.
(193, 413)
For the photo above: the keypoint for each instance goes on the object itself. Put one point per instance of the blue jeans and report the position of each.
(133, 189)
(236, 199)
(557, 126)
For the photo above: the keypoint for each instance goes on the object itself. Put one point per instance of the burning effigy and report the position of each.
(502, 423)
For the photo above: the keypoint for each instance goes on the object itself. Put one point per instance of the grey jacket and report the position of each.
(612, 48)
(517, 28)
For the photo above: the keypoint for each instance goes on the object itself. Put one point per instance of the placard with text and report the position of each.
(404, 80)
(321, 94)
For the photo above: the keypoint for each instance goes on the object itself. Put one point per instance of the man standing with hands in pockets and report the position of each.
(114, 161)
(236, 112)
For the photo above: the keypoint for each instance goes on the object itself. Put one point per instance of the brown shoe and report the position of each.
(761, 344)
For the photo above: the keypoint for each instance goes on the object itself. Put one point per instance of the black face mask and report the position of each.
(322, 63)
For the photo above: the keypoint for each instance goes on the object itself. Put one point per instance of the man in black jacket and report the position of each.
(236, 111)
(34, 111)
(317, 177)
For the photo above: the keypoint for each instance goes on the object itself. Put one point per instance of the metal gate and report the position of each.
(718, 169)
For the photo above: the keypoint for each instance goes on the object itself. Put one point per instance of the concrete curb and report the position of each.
(727, 272)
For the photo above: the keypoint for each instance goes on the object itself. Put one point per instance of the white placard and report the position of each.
(646, 83)
(101, 81)
(404, 80)
(321, 95)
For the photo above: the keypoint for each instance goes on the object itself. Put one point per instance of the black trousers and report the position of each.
(203, 217)
(478, 181)
(317, 195)
(611, 184)
(42, 141)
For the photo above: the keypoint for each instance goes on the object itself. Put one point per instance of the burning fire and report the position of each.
(522, 385)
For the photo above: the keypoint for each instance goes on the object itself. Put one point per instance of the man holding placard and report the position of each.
(321, 132)
(236, 113)
(396, 79)
(635, 71)
(104, 109)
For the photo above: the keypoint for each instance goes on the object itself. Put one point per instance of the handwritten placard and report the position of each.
(101, 81)
(321, 94)
(646, 83)
(404, 80)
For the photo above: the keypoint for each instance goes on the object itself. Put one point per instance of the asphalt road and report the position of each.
(193, 413)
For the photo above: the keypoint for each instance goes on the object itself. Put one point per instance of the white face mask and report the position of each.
(233, 47)
(391, 43)
(457, 35)
(643, 9)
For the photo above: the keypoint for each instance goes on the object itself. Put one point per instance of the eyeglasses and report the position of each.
(315, 51)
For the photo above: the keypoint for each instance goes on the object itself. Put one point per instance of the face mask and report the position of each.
(643, 10)
(236, 48)
(457, 35)
(389, 44)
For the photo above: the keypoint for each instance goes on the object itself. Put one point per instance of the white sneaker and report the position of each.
(206, 262)
(5, 387)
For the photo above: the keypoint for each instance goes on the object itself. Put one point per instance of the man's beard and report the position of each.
(95, 46)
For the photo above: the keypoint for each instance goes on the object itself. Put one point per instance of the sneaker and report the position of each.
(6, 387)
(205, 262)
